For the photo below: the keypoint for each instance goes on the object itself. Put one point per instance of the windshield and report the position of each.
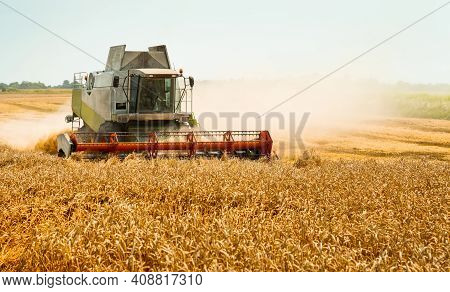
(156, 95)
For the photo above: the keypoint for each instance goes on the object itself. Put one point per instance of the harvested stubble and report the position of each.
(210, 215)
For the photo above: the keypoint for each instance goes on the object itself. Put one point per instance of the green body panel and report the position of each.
(76, 101)
(91, 118)
(84, 111)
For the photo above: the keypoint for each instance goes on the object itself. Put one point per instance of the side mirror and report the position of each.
(69, 119)
(116, 81)
(191, 81)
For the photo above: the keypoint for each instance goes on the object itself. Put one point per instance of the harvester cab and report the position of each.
(136, 90)
(139, 103)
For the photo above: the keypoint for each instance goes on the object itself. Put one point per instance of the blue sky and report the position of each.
(231, 39)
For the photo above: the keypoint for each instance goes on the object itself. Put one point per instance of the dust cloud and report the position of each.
(237, 105)
(24, 130)
(331, 106)
(338, 100)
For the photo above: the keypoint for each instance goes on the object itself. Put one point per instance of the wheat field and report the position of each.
(32, 103)
(374, 197)
(232, 215)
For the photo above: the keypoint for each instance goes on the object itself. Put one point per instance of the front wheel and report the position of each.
(105, 131)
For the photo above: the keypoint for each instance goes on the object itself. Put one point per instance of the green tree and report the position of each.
(66, 84)
(31, 85)
(14, 85)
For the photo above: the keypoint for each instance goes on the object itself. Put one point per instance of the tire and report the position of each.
(108, 127)
(86, 134)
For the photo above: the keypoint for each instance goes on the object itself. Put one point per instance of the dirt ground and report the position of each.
(383, 137)
(36, 104)
(27, 117)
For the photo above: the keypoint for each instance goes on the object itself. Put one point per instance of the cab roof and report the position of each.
(155, 72)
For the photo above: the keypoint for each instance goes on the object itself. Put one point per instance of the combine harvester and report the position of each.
(140, 104)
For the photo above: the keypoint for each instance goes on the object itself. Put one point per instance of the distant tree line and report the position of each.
(32, 85)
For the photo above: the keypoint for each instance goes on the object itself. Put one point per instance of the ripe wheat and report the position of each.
(232, 215)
